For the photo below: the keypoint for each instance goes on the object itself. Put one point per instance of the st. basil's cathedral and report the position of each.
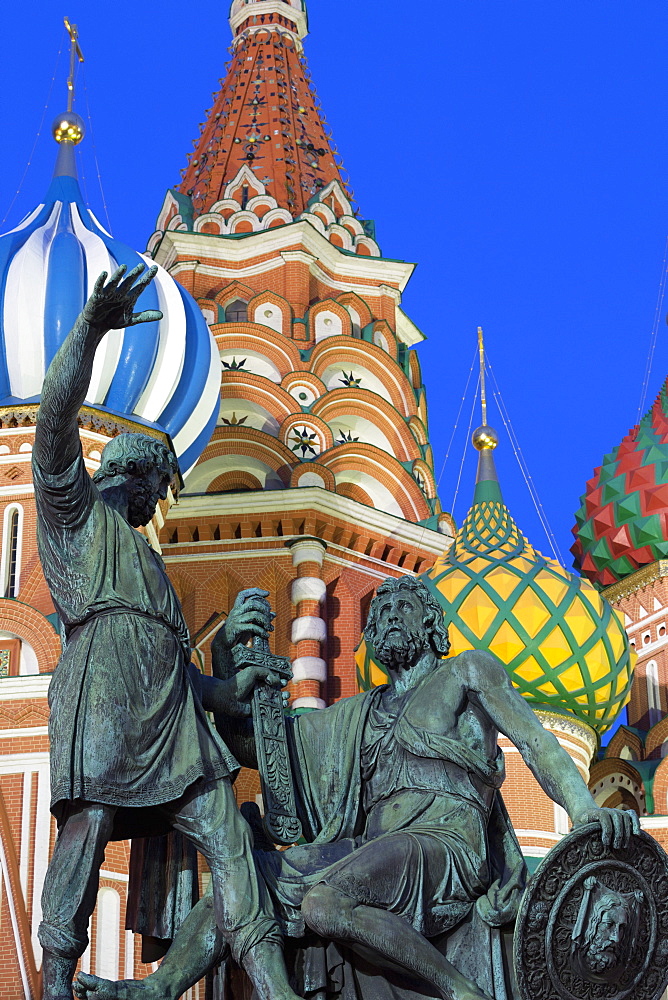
(285, 375)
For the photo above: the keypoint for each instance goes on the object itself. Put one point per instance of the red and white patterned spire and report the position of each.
(266, 115)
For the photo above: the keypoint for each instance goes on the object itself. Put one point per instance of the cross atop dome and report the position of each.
(163, 377)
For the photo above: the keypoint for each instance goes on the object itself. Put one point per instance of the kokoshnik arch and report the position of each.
(286, 379)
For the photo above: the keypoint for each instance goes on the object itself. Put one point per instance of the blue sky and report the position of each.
(514, 149)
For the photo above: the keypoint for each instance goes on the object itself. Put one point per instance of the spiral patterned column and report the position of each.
(309, 629)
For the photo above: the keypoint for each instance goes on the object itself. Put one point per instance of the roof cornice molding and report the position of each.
(263, 7)
(26, 686)
(236, 251)
(227, 505)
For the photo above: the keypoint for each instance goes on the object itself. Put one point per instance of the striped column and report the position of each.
(309, 630)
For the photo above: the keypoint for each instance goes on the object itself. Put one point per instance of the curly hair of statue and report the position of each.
(438, 632)
(134, 455)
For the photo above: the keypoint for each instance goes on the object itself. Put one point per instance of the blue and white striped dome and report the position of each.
(166, 374)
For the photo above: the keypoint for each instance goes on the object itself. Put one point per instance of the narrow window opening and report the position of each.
(12, 555)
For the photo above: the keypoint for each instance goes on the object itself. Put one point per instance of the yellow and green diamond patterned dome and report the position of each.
(562, 643)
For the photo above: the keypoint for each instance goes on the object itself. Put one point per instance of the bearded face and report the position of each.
(143, 493)
(400, 647)
(605, 945)
(399, 634)
(142, 501)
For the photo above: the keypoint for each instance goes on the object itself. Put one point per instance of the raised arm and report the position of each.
(110, 307)
(553, 768)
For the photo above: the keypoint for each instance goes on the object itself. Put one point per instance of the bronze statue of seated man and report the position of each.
(399, 797)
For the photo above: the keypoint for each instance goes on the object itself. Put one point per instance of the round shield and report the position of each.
(593, 923)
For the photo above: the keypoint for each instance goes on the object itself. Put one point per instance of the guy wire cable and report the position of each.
(521, 461)
(37, 137)
(459, 413)
(466, 443)
(94, 149)
(654, 334)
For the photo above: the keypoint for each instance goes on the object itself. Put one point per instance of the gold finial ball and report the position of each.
(68, 127)
(484, 438)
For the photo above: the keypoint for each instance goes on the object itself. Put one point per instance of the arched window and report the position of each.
(236, 312)
(10, 566)
(108, 930)
(653, 694)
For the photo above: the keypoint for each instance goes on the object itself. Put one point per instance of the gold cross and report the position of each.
(75, 51)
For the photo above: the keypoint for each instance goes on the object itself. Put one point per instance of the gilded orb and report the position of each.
(484, 438)
(68, 127)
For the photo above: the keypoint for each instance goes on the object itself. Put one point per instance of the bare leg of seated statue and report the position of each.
(331, 914)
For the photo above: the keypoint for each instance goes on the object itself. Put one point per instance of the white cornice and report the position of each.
(13, 491)
(407, 332)
(388, 526)
(239, 251)
(654, 822)
(28, 686)
(241, 12)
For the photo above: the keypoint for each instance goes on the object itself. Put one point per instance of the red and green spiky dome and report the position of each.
(622, 523)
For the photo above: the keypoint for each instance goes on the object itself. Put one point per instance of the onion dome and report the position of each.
(562, 644)
(164, 374)
(622, 523)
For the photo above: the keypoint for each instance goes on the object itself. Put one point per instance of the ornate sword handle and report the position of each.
(271, 744)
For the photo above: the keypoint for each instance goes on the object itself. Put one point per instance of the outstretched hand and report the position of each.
(110, 306)
(617, 825)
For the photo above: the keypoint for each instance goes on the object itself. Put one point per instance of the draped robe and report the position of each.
(330, 752)
(126, 726)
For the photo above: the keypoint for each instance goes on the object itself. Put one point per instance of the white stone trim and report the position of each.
(654, 822)
(4, 870)
(24, 850)
(535, 852)
(308, 588)
(309, 668)
(242, 13)
(129, 955)
(308, 702)
(12, 491)
(407, 332)
(359, 564)
(573, 726)
(18, 763)
(309, 627)
(6, 734)
(307, 550)
(26, 686)
(199, 246)
(41, 851)
(394, 529)
(116, 876)
(539, 834)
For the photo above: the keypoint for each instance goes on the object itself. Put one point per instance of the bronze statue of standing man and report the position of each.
(132, 753)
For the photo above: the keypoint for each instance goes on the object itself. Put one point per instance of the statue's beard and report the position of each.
(142, 502)
(599, 959)
(400, 648)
